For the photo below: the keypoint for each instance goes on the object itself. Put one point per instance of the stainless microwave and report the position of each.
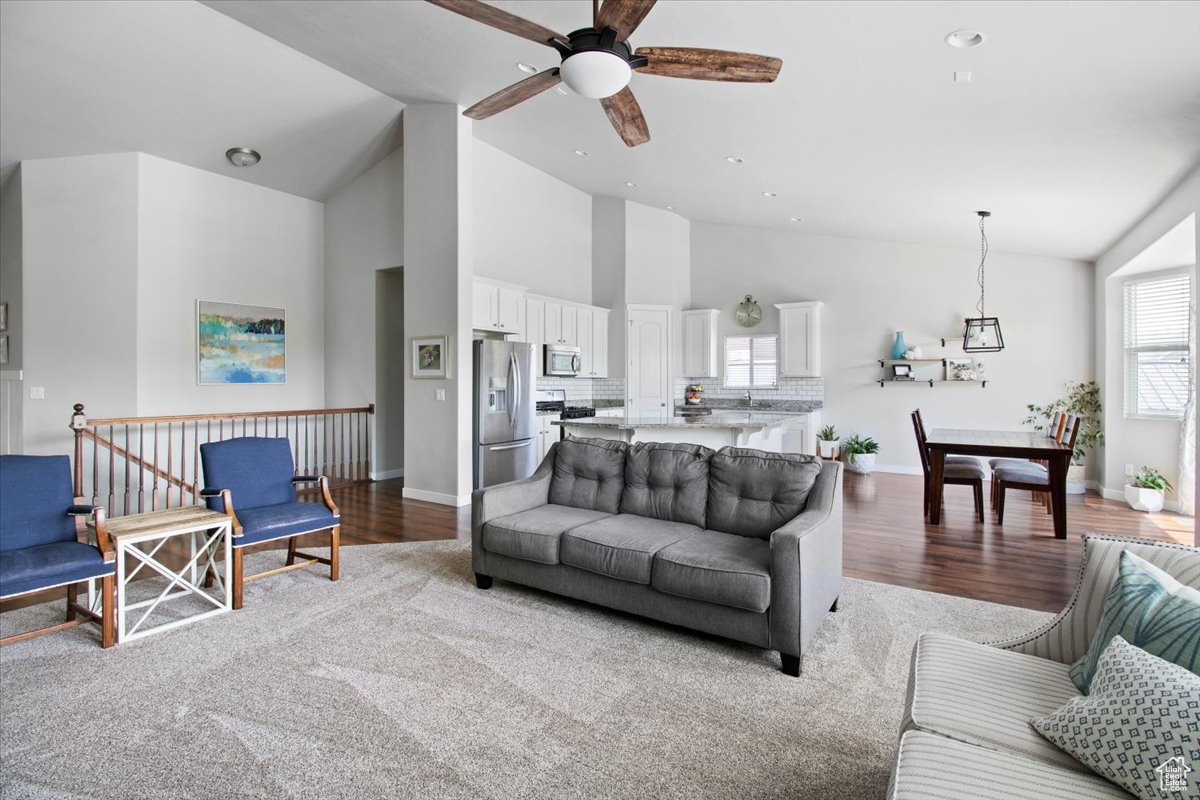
(563, 360)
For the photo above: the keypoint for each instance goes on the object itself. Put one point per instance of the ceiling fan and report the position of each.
(598, 62)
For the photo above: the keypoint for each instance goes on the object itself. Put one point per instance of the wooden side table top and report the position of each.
(165, 522)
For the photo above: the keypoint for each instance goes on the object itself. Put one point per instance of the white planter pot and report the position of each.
(862, 463)
(827, 449)
(1140, 499)
(1076, 479)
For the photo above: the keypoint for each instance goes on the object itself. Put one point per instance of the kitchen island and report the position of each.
(761, 430)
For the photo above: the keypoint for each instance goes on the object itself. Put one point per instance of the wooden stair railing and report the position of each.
(145, 463)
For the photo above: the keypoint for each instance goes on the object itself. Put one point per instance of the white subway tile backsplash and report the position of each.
(582, 391)
(787, 389)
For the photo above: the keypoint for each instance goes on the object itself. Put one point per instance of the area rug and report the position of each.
(404, 680)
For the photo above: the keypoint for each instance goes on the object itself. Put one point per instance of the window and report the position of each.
(1156, 346)
(751, 362)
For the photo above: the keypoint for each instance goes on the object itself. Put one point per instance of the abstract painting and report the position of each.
(239, 343)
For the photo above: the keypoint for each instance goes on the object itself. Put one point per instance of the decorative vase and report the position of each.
(1140, 499)
(899, 348)
(1076, 479)
(828, 447)
(862, 463)
(917, 353)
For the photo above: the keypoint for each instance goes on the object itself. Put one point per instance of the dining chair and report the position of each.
(41, 523)
(1054, 429)
(1034, 478)
(962, 471)
(252, 479)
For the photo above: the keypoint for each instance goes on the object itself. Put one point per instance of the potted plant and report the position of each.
(1083, 400)
(1145, 490)
(860, 453)
(827, 441)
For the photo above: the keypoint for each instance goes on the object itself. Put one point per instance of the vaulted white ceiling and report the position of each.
(1078, 117)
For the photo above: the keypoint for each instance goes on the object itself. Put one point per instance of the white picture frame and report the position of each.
(430, 357)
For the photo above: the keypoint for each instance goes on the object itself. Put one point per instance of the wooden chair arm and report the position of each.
(328, 497)
(227, 501)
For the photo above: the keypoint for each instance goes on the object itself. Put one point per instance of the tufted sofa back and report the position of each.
(753, 493)
(667, 481)
(589, 473)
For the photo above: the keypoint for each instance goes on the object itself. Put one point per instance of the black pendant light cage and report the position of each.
(982, 334)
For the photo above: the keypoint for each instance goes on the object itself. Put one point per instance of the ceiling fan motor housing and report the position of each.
(595, 64)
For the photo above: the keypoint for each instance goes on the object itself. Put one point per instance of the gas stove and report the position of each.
(556, 400)
(577, 412)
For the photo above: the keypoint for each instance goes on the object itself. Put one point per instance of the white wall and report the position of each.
(530, 229)
(438, 270)
(201, 235)
(608, 275)
(1153, 442)
(364, 233)
(658, 266)
(80, 264)
(872, 289)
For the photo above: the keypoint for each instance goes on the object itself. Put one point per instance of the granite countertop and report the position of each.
(719, 419)
(768, 406)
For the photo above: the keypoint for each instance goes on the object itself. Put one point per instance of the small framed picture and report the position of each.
(960, 369)
(3, 316)
(430, 357)
(3, 348)
(901, 371)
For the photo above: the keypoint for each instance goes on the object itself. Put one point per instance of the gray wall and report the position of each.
(10, 264)
(389, 373)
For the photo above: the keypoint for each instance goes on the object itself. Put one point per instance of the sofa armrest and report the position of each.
(806, 564)
(503, 499)
(1069, 635)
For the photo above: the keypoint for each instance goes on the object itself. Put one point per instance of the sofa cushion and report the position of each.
(1141, 719)
(753, 493)
(621, 547)
(667, 481)
(986, 696)
(589, 473)
(716, 567)
(534, 535)
(931, 767)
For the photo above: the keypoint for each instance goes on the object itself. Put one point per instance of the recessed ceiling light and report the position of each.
(581, 153)
(770, 194)
(242, 156)
(524, 67)
(735, 159)
(795, 219)
(965, 38)
(670, 208)
(631, 184)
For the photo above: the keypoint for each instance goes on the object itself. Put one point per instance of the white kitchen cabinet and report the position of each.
(535, 331)
(700, 343)
(553, 322)
(570, 325)
(546, 435)
(800, 339)
(599, 357)
(498, 307)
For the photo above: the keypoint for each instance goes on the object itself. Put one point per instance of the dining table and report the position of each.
(1000, 444)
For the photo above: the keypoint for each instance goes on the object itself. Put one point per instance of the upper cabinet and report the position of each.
(800, 339)
(550, 321)
(591, 326)
(700, 343)
(535, 330)
(498, 307)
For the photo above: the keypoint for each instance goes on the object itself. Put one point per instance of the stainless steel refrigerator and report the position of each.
(504, 412)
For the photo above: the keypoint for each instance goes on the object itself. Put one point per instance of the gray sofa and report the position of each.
(739, 543)
(966, 732)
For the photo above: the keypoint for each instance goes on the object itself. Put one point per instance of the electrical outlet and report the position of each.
(37, 392)
(1129, 469)
(439, 395)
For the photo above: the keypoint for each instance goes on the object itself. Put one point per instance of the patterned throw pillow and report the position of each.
(1150, 609)
(1138, 727)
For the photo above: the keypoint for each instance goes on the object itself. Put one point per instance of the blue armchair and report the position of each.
(40, 524)
(252, 480)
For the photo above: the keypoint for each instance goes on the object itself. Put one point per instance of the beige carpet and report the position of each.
(404, 680)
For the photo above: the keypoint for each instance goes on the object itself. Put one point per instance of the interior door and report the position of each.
(649, 348)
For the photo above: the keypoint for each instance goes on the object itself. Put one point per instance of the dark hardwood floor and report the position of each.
(886, 537)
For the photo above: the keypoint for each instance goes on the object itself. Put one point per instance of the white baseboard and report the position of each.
(899, 469)
(387, 474)
(437, 497)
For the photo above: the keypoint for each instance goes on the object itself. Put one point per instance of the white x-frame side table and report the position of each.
(138, 538)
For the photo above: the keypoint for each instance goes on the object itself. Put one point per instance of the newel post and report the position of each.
(78, 423)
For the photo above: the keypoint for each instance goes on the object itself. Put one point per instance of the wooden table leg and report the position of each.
(937, 477)
(1058, 493)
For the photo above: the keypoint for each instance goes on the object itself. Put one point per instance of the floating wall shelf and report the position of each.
(931, 383)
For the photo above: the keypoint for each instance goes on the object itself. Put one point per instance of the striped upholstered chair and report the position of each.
(966, 732)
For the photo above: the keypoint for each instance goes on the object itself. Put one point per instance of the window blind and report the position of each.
(751, 362)
(1157, 329)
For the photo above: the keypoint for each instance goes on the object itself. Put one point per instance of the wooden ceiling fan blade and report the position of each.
(496, 18)
(709, 65)
(517, 93)
(623, 16)
(626, 116)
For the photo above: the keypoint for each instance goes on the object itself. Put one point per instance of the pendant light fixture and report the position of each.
(982, 334)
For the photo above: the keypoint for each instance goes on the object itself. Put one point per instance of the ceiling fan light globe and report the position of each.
(595, 73)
